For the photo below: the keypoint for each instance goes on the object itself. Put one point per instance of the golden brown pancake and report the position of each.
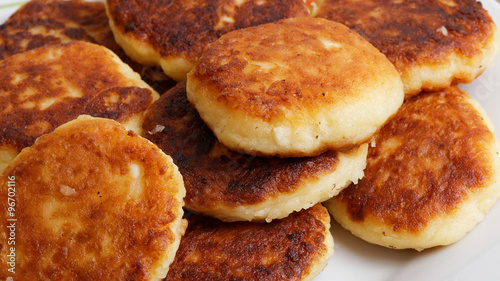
(48, 86)
(173, 33)
(432, 176)
(294, 248)
(91, 201)
(296, 87)
(232, 186)
(433, 44)
(47, 22)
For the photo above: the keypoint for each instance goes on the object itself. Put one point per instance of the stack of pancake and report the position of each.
(280, 106)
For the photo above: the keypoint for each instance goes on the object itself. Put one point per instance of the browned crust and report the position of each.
(284, 249)
(316, 76)
(429, 157)
(212, 173)
(102, 234)
(407, 31)
(85, 67)
(60, 21)
(184, 28)
(64, 21)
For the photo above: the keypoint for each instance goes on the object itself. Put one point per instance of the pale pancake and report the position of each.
(432, 176)
(232, 186)
(173, 33)
(93, 201)
(48, 86)
(433, 44)
(294, 248)
(296, 87)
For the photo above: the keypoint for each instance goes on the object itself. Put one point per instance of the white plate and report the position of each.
(475, 257)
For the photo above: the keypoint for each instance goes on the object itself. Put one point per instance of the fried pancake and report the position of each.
(237, 187)
(43, 88)
(433, 44)
(173, 33)
(296, 87)
(294, 248)
(432, 176)
(48, 22)
(92, 201)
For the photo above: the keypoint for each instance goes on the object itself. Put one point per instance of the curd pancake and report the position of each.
(294, 248)
(173, 33)
(90, 201)
(432, 176)
(43, 88)
(433, 44)
(231, 186)
(47, 22)
(297, 87)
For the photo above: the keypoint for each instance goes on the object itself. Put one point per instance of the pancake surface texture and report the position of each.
(47, 22)
(93, 201)
(432, 176)
(294, 248)
(174, 33)
(296, 87)
(237, 187)
(433, 44)
(40, 23)
(48, 86)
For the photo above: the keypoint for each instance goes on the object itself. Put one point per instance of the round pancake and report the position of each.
(91, 201)
(433, 44)
(296, 87)
(237, 187)
(48, 86)
(48, 22)
(432, 176)
(294, 248)
(174, 33)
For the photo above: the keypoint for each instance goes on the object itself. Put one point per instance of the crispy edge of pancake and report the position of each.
(92, 127)
(441, 230)
(234, 242)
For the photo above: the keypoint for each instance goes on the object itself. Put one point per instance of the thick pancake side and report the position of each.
(223, 183)
(294, 248)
